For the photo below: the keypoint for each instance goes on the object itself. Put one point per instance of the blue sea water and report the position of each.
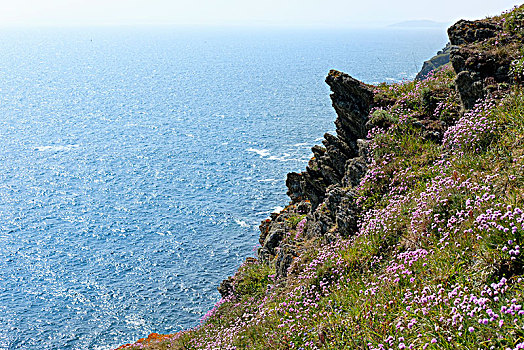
(137, 163)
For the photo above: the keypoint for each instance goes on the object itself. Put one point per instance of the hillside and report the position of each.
(405, 229)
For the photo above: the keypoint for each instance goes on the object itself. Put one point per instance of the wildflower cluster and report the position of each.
(474, 130)
(300, 228)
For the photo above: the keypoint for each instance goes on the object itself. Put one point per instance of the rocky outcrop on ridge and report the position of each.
(322, 196)
(323, 191)
(481, 57)
(352, 102)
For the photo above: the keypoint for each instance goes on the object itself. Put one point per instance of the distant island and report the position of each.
(421, 23)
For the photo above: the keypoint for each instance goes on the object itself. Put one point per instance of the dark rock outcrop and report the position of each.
(283, 261)
(352, 102)
(469, 87)
(338, 211)
(323, 191)
(273, 230)
(466, 32)
(347, 215)
(295, 185)
(479, 66)
(355, 170)
(226, 288)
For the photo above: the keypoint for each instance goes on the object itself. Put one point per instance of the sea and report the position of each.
(136, 164)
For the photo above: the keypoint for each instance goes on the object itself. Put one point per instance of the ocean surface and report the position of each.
(137, 163)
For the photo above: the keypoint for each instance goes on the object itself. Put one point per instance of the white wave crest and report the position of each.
(55, 148)
(260, 152)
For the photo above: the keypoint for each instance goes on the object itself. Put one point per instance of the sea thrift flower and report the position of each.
(473, 130)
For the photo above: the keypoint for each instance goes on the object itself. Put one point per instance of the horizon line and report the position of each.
(258, 24)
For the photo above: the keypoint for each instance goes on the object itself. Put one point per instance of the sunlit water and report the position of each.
(136, 164)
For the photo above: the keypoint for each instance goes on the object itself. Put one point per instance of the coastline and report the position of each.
(385, 208)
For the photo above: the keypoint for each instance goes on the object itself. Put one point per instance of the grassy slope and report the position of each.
(436, 263)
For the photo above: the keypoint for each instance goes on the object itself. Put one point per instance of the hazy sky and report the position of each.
(260, 12)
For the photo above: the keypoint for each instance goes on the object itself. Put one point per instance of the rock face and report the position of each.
(226, 288)
(466, 32)
(440, 59)
(323, 193)
(352, 102)
(480, 71)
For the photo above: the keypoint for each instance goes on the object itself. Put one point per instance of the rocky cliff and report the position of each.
(404, 230)
(481, 55)
(324, 192)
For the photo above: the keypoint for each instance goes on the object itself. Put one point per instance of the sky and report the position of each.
(243, 12)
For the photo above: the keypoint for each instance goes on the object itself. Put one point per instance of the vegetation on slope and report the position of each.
(436, 262)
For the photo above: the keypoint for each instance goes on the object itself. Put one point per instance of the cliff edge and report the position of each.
(405, 228)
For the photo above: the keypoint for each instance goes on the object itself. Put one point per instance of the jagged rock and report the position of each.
(226, 288)
(284, 260)
(318, 191)
(355, 170)
(324, 217)
(329, 174)
(469, 89)
(264, 230)
(314, 187)
(303, 207)
(466, 32)
(338, 210)
(272, 242)
(318, 151)
(363, 149)
(334, 196)
(347, 215)
(265, 227)
(479, 71)
(273, 230)
(274, 238)
(468, 82)
(338, 153)
(295, 185)
(458, 62)
(333, 142)
(351, 100)
(440, 59)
